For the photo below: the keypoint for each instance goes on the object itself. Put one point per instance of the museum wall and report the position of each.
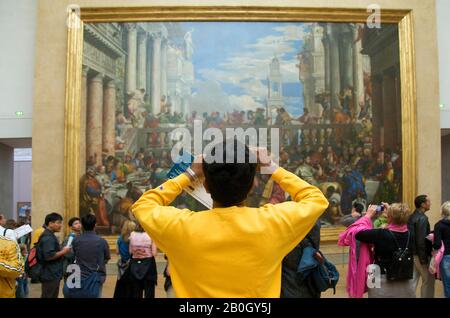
(48, 116)
(18, 32)
(443, 12)
(6, 180)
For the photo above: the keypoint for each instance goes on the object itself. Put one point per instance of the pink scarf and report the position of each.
(437, 256)
(357, 274)
(398, 228)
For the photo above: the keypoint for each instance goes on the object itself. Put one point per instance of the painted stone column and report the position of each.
(95, 120)
(83, 115)
(164, 68)
(335, 80)
(156, 75)
(109, 118)
(358, 73)
(346, 43)
(131, 58)
(389, 99)
(377, 111)
(326, 53)
(148, 69)
(142, 59)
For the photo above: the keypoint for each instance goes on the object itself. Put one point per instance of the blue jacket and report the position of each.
(308, 262)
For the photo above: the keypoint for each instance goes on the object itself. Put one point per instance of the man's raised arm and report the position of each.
(154, 214)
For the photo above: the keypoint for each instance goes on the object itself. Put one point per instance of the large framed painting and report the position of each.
(340, 91)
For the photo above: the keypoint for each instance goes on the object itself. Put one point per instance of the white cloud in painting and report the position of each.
(293, 32)
(243, 102)
(254, 87)
(253, 62)
(222, 76)
(290, 71)
(238, 69)
(209, 97)
(267, 46)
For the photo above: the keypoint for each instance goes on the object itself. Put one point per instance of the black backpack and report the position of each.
(34, 264)
(402, 265)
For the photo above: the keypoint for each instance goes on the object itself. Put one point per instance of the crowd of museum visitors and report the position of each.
(340, 161)
(375, 238)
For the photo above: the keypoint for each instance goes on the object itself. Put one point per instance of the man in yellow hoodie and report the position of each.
(231, 250)
(11, 266)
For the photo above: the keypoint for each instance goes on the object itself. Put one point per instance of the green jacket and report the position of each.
(379, 222)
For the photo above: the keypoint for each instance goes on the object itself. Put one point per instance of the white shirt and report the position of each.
(8, 234)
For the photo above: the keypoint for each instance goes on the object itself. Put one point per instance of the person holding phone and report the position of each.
(381, 220)
(393, 247)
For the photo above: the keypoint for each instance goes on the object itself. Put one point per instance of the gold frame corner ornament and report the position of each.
(72, 126)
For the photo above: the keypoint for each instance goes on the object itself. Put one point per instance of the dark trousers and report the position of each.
(144, 286)
(143, 277)
(50, 289)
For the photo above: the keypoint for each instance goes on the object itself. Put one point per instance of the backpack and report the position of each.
(90, 287)
(11, 262)
(402, 265)
(33, 263)
(326, 276)
(319, 273)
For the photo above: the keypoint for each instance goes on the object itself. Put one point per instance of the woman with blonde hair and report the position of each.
(442, 236)
(123, 249)
(392, 252)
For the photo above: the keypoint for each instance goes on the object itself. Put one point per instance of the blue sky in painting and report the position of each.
(231, 61)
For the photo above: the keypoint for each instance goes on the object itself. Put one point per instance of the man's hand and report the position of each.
(262, 156)
(66, 250)
(265, 163)
(356, 214)
(197, 168)
(386, 206)
(371, 211)
(59, 254)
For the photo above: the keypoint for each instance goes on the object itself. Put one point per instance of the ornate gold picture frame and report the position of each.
(76, 21)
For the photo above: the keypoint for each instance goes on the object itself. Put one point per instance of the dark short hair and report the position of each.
(52, 217)
(88, 222)
(419, 200)
(73, 220)
(229, 182)
(358, 207)
(11, 224)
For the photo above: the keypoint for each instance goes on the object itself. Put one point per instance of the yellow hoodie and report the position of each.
(11, 266)
(233, 251)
